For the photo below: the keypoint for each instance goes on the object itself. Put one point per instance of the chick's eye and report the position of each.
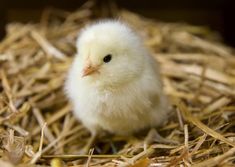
(107, 58)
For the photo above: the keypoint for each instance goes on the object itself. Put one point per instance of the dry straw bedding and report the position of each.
(38, 129)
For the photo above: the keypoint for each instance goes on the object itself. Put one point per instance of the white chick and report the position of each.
(114, 84)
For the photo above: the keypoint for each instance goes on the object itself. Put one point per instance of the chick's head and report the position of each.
(111, 54)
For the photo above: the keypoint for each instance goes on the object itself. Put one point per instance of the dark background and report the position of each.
(219, 15)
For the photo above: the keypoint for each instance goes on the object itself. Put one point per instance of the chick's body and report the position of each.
(114, 84)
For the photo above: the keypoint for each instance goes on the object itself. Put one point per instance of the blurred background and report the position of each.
(216, 14)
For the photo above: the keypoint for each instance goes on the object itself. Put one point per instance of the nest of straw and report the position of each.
(37, 127)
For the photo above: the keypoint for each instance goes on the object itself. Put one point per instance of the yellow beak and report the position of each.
(88, 70)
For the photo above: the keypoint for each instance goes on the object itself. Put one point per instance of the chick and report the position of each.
(114, 83)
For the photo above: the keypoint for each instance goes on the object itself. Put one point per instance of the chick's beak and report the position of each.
(89, 69)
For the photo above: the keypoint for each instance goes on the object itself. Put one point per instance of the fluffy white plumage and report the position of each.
(121, 93)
